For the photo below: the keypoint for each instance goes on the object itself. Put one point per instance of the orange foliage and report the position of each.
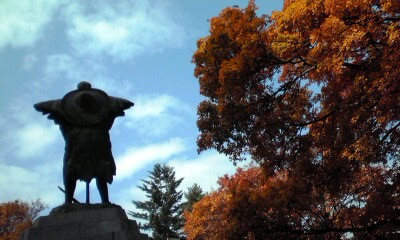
(249, 205)
(225, 213)
(17, 216)
(312, 91)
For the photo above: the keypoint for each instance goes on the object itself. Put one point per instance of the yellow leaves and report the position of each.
(393, 34)
(335, 7)
(360, 150)
(341, 7)
(206, 221)
(326, 41)
(285, 42)
(297, 13)
(391, 6)
(331, 32)
(332, 27)
(353, 39)
(202, 45)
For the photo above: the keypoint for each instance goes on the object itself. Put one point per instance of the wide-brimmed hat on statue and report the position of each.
(85, 106)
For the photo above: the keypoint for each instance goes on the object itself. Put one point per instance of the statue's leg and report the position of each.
(70, 184)
(69, 180)
(103, 189)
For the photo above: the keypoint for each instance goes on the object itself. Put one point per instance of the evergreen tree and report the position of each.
(192, 196)
(162, 210)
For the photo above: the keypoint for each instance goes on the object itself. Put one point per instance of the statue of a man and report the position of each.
(85, 117)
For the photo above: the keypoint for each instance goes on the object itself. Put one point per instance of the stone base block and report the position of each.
(85, 222)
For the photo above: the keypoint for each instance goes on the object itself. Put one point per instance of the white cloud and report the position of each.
(155, 115)
(204, 170)
(19, 178)
(124, 29)
(135, 159)
(31, 183)
(29, 61)
(25, 132)
(72, 69)
(22, 21)
(125, 196)
(68, 67)
(34, 139)
(62, 64)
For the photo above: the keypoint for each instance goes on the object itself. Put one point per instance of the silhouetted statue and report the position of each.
(85, 117)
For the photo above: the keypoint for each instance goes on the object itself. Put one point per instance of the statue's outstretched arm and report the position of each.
(118, 105)
(52, 107)
(48, 107)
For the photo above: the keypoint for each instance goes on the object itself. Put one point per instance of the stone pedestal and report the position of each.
(85, 222)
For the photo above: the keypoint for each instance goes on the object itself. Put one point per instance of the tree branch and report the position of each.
(368, 228)
(303, 124)
(393, 19)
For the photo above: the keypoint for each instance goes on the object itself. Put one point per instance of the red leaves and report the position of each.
(287, 205)
(17, 216)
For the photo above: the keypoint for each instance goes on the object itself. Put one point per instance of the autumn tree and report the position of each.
(162, 210)
(17, 216)
(237, 209)
(313, 92)
(193, 195)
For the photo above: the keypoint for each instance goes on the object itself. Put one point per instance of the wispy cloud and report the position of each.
(155, 115)
(29, 61)
(69, 67)
(63, 65)
(122, 29)
(23, 133)
(23, 21)
(33, 139)
(71, 70)
(135, 159)
(31, 183)
(204, 170)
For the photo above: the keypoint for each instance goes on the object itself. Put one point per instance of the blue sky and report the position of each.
(140, 50)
